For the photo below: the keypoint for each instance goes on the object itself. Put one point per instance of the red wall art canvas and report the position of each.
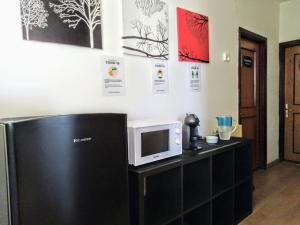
(193, 39)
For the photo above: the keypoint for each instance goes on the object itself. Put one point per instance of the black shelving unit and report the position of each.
(200, 215)
(196, 186)
(243, 200)
(162, 191)
(223, 215)
(176, 222)
(243, 165)
(223, 171)
(210, 187)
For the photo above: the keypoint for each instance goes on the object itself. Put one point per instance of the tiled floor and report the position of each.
(277, 196)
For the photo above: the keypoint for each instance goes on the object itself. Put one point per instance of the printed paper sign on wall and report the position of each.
(160, 78)
(193, 40)
(146, 28)
(75, 22)
(195, 77)
(113, 76)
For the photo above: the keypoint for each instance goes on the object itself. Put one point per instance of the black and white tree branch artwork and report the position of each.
(33, 14)
(146, 35)
(148, 41)
(51, 20)
(73, 12)
(149, 7)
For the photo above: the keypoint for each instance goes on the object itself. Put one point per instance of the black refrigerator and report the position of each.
(64, 170)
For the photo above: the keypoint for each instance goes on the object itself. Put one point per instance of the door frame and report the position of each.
(263, 42)
(282, 47)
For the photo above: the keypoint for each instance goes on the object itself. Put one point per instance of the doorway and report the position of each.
(252, 93)
(289, 103)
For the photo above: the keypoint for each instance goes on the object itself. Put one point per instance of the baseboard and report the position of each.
(290, 161)
(271, 164)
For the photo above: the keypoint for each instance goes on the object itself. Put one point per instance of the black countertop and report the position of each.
(189, 156)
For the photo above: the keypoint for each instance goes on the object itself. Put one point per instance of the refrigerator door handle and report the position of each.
(145, 186)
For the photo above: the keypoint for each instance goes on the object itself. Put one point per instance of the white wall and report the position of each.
(42, 78)
(262, 17)
(289, 21)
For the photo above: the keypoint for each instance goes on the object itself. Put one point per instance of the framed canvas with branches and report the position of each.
(146, 28)
(193, 36)
(75, 22)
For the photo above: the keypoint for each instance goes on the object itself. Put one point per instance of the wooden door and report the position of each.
(249, 97)
(292, 104)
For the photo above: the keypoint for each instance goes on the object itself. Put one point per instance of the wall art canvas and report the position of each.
(75, 22)
(193, 38)
(146, 28)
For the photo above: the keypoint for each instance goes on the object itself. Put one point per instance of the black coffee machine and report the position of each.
(190, 133)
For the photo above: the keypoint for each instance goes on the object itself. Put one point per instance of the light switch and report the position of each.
(226, 57)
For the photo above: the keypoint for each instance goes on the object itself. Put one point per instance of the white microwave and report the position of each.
(150, 141)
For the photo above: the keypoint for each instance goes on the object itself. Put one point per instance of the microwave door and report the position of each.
(155, 142)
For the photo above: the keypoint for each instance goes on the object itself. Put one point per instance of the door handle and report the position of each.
(287, 110)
